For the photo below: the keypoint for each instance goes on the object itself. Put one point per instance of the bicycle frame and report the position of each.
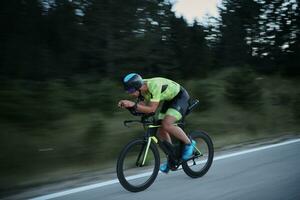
(150, 136)
(151, 127)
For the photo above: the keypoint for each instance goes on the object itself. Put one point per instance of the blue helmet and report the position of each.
(132, 82)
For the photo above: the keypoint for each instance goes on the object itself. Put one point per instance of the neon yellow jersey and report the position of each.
(160, 89)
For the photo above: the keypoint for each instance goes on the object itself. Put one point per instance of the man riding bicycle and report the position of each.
(154, 91)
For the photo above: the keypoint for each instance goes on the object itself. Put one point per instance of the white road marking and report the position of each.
(106, 183)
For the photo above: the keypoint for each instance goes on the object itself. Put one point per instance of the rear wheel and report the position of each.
(132, 175)
(202, 157)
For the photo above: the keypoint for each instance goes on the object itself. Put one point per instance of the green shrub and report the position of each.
(242, 89)
(93, 139)
(281, 98)
(202, 92)
(296, 106)
(34, 105)
(94, 96)
(53, 100)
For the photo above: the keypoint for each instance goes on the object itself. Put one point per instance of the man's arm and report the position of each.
(140, 107)
(150, 108)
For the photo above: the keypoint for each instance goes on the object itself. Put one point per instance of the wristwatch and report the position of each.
(135, 106)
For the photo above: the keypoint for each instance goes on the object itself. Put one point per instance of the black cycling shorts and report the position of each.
(176, 107)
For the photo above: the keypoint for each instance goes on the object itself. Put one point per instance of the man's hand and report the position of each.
(126, 104)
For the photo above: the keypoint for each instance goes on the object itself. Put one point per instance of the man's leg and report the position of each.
(176, 131)
(164, 135)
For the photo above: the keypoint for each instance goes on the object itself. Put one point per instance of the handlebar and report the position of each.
(145, 117)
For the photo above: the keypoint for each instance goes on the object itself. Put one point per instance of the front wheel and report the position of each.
(202, 157)
(133, 175)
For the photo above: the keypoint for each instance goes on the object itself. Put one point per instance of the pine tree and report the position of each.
(237, 21)
(274, 43)
(242, 89)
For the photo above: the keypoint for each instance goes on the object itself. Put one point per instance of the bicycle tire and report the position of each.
(120, 173)
(196, 174)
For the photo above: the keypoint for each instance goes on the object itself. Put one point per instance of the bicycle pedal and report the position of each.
(173, 168)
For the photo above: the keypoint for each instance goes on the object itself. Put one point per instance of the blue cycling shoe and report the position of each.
(164, 168)
(188, 150)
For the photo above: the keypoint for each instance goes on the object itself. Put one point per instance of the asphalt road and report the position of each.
(271, 173)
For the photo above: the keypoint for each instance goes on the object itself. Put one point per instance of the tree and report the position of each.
(274, 43)
(191, 49)
(238, 19)
(242, 89)
(20, 39)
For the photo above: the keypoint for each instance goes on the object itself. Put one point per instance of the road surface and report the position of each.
(268, 172)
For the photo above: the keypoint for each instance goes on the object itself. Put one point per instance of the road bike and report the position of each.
(139, 161)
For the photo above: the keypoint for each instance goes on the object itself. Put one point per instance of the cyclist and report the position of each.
(175, 97)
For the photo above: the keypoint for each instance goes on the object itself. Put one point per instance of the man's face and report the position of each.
(135, 94)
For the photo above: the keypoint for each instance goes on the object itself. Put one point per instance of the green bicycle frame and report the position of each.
(148, 146)
(154, 139)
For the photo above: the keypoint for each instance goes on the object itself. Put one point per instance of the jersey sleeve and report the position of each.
(155, 90)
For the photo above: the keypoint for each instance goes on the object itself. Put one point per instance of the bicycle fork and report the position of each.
(150, 139)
